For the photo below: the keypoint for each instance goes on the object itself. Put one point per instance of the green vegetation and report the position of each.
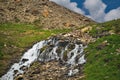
(106, 28)
(21, 35)
(16, 38)
(103, 55)
(114, 25)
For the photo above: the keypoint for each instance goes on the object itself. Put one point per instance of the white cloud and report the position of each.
(113, 14)
(70, 5)
(96, 9)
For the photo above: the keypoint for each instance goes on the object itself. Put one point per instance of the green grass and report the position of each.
(103, 59)
(21, 35)
(113, 26)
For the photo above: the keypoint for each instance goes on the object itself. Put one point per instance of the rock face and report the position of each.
(40, 12)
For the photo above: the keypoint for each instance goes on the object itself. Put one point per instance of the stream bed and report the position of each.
(65, 50)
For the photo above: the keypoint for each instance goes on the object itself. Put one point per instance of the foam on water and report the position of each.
(31, 55)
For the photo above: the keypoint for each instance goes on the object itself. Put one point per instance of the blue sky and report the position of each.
(98, 10)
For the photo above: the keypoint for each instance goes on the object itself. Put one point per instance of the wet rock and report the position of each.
(73, 72)
(63, 43)
(23, 68)
(65, 57)
(51, 45)
(24, 60)
(15, 71)
(59, 50)
(19, 77)
(71, 46)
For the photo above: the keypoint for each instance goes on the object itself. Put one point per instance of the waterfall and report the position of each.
(70, 52)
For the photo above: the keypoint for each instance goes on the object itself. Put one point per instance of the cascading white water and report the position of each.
(69, 52)
(31, 55)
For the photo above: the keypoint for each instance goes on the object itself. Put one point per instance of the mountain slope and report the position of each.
(102, 53)
(43, 13)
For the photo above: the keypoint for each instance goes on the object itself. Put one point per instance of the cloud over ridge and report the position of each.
(96, 9)
(113, 14)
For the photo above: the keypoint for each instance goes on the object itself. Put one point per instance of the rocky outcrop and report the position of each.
(81, 35)
(42, 13)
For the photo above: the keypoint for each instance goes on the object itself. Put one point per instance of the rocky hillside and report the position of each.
(42, 13)
(25, 22)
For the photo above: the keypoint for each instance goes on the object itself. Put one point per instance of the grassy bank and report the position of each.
(103, 55)
(15, 38)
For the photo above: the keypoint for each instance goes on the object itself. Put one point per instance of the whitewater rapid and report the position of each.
(70, 52)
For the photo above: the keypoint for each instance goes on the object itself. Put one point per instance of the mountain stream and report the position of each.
(67, 50)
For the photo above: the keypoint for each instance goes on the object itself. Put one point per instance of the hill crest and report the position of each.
(41, 12)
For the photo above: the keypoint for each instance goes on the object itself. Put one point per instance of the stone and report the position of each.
(102, 45)
(15, 71)
(86, 29)
(36, 72)
(24, 60)
(63, 43)
(23, 68)
(19, 77)
(54, 71)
